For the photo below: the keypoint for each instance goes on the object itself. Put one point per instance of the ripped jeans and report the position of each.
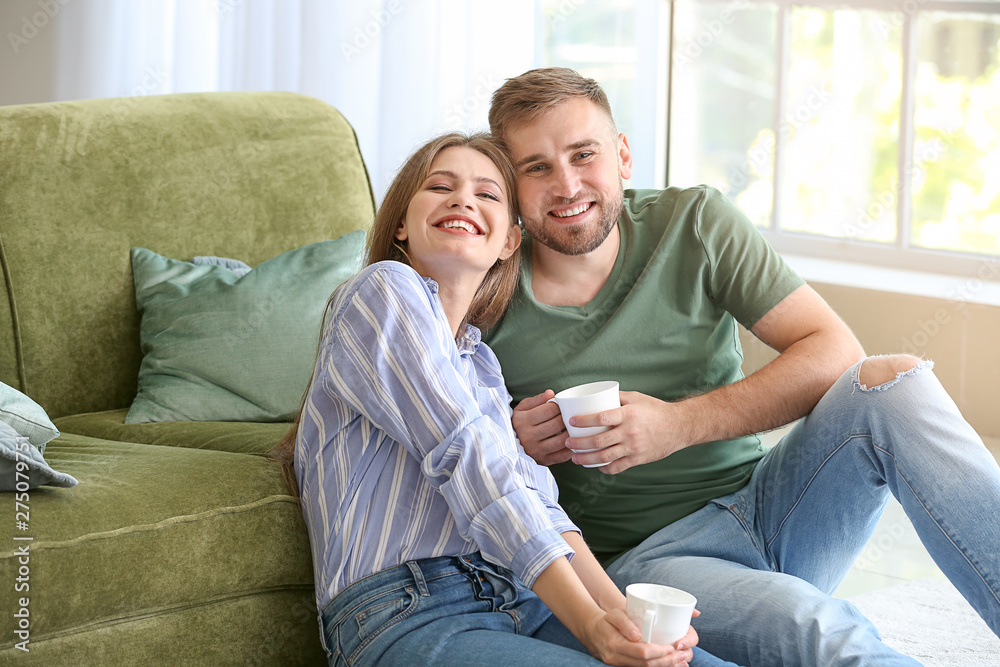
(764, 561)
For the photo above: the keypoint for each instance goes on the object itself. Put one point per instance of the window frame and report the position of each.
(900, 254)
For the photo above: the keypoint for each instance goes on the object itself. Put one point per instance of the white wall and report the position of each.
(27, 60)
(961, 339)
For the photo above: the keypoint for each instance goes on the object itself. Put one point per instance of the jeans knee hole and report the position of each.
(889, 370)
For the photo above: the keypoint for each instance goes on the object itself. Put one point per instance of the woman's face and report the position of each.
(459, 218)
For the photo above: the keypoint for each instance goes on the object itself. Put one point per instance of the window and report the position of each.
(856, 129)
(623, 45)
(866, 130)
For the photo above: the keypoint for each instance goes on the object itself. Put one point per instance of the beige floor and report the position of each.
(894, 554)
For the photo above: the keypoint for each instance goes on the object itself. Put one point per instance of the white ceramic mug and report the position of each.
(587, 399)
(662, 613)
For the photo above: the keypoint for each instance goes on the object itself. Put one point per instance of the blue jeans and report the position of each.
(764, 561)
(449, 611)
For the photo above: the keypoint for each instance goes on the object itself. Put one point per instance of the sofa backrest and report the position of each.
(242, 175)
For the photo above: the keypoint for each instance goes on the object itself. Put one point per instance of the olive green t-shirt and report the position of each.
(663, 324)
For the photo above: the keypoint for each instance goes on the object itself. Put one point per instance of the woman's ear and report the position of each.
(401, 230)
(512, 242)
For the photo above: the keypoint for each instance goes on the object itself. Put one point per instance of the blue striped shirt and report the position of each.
(405, 448)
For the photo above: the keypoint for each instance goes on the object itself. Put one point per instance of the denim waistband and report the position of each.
(414, 573)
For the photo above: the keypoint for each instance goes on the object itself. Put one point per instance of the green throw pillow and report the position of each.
(26, 417)
(219, 347)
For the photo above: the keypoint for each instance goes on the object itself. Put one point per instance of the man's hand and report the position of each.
(540, 429)
(815, 347)
(644, 429)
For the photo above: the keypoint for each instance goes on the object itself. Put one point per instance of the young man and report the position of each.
(646, 287)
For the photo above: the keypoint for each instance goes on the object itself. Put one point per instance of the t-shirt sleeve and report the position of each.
(747, 277)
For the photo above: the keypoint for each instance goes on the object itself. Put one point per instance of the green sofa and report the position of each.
(181, 544)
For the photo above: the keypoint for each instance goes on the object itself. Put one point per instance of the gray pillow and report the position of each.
(234, 265)
(18, 455)
(26, 417)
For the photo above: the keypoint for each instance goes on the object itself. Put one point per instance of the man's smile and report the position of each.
(572, 211)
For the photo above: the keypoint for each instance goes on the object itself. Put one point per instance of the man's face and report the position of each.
(570, 165)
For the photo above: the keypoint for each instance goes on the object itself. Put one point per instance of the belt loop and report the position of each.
(418, 578)
(322, 636)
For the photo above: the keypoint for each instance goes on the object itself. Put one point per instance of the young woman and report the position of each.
(435, 539)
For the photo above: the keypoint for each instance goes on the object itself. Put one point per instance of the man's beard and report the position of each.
(581, 239)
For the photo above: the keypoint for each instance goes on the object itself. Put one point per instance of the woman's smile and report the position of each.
(458, 222)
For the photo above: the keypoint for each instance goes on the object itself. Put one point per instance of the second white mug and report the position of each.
(662, 613)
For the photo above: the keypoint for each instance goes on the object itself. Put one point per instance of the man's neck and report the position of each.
(572, 280)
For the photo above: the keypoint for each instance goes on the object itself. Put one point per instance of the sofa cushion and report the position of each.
(26, 417)
(240, 437)
(222, 347)
(248, 175)
(156, 550)
(273, 629)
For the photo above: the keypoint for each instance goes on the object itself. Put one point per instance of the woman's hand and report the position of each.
(690, 640)
(614, 639)
(611, 625)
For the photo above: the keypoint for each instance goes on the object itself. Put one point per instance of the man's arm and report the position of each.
(815, 348)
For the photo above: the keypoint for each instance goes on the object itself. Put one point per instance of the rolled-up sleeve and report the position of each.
(389, 354)
(546, 490)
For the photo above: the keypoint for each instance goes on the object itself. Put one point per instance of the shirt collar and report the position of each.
(469, 341)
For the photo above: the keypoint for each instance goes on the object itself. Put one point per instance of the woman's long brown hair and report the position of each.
(493, 295)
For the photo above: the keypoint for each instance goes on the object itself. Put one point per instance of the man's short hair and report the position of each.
(525, 97)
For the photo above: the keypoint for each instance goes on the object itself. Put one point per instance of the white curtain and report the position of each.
(401, 71)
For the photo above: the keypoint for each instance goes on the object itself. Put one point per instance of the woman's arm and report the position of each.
(609, 635)
(594, 578)
(390, 356)
(605, 592)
